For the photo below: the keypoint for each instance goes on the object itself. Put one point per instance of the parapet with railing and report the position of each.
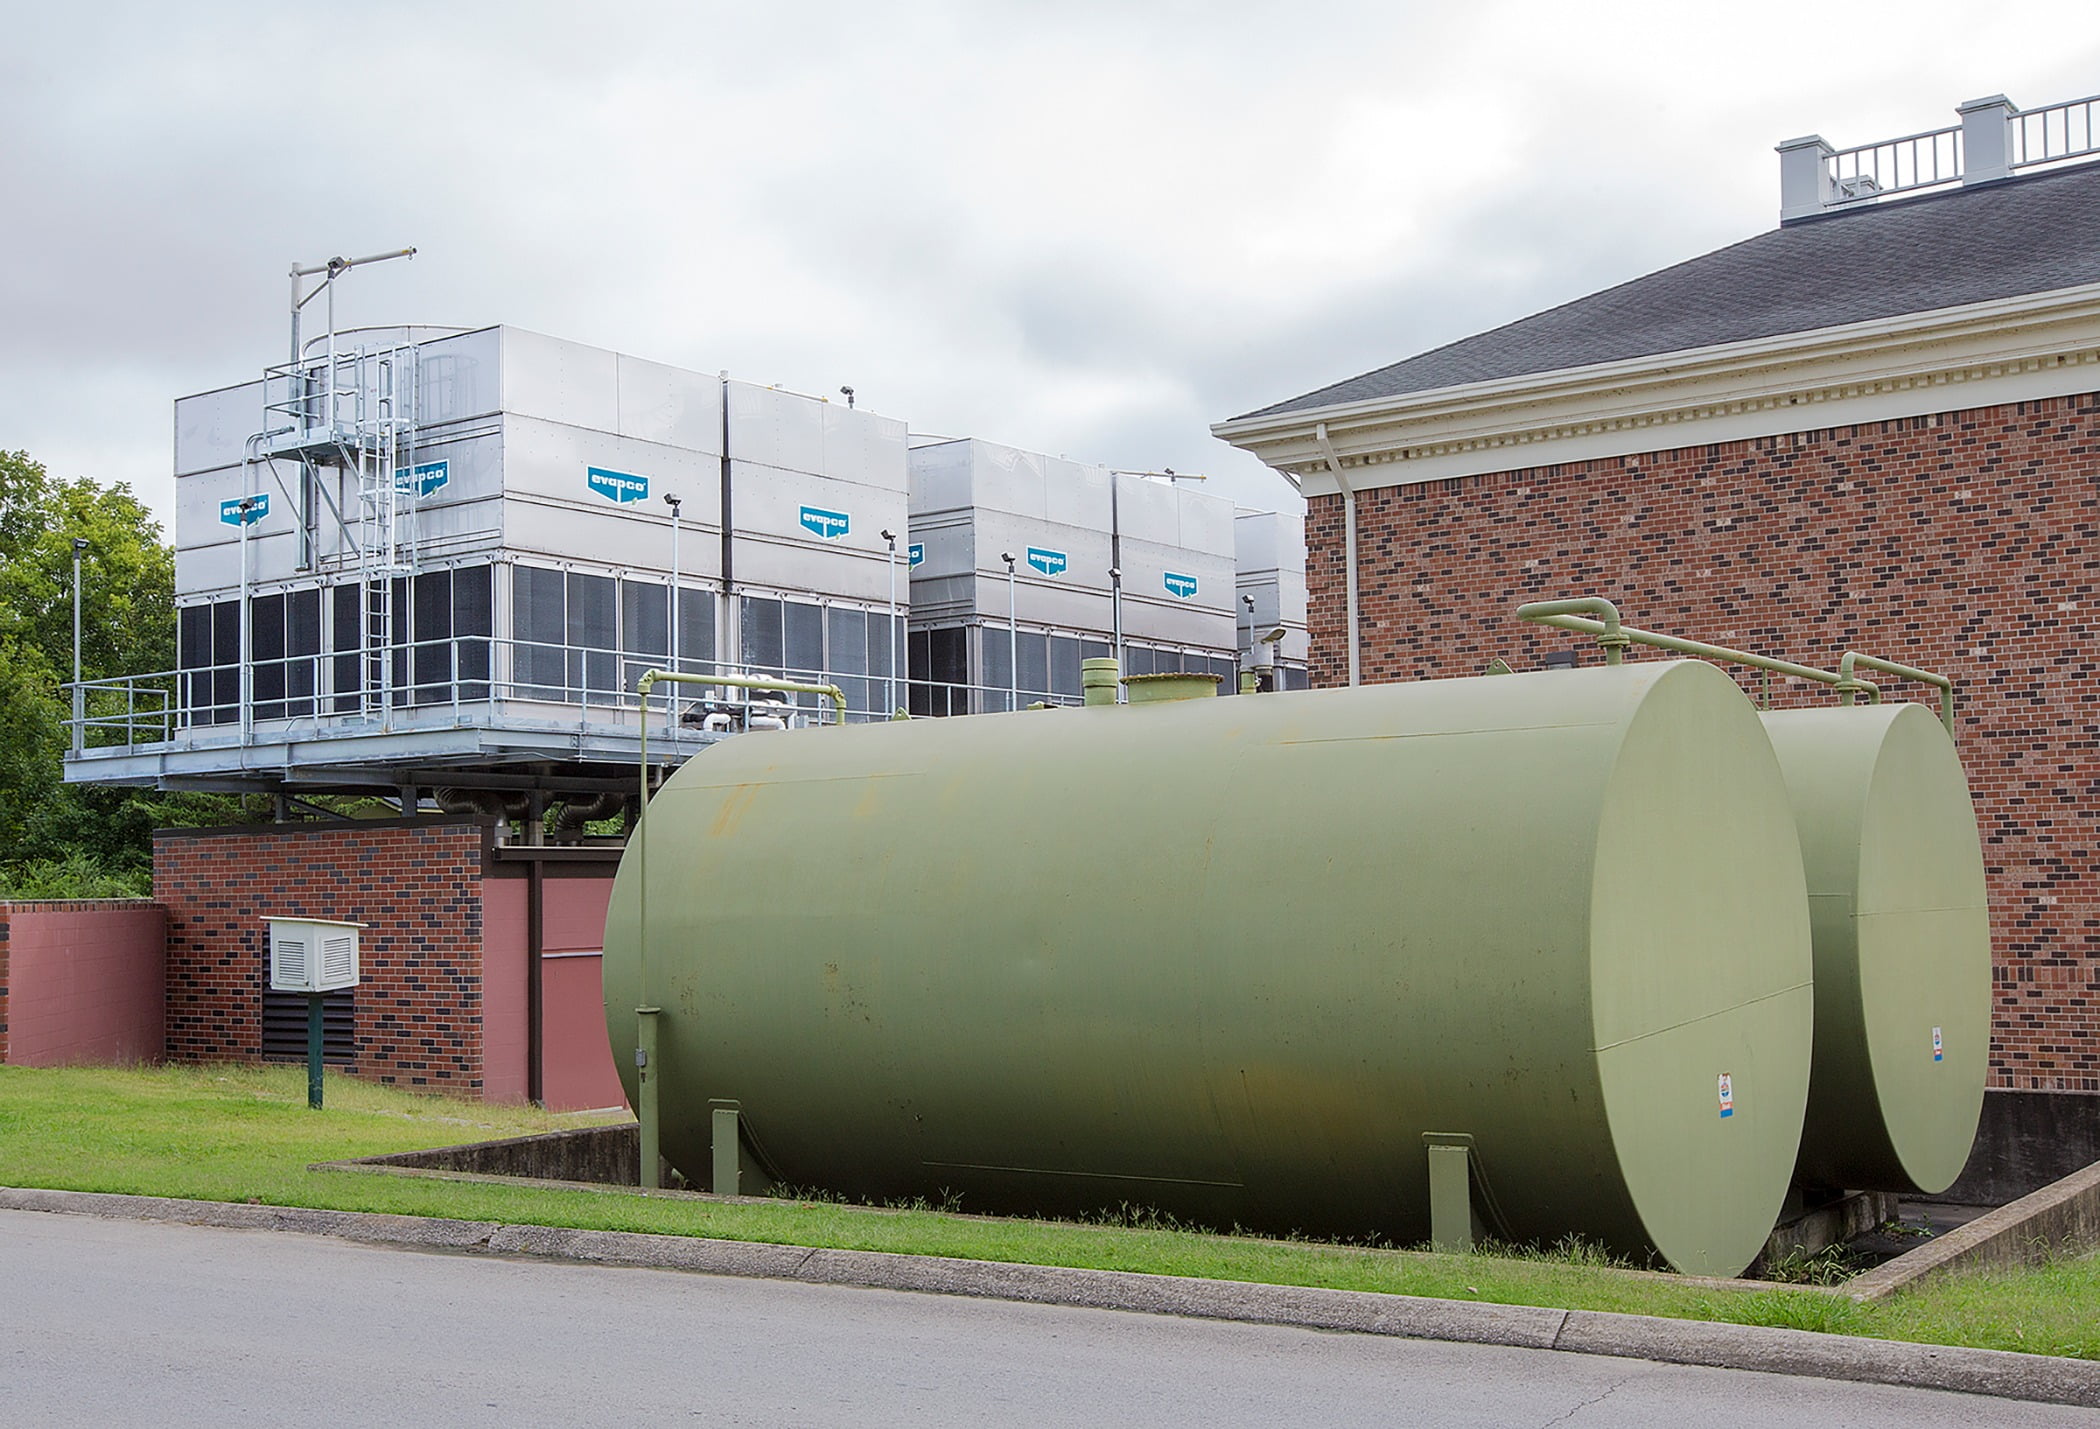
(1993, 140)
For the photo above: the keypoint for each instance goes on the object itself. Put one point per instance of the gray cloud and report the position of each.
(1087, 228)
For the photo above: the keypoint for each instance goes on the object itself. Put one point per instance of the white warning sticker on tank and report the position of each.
(1727, 1095)
(1939, 1052)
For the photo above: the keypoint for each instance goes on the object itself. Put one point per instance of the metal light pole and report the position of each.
(670, 699)
(80, 546)
(1115, 570)
(1247, 647)
(247, 515)
(328, 272)
(891, 694)
(1274, 641)
(1013, 638)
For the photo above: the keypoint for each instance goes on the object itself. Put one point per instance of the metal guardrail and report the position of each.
(485, 681)
(2055, 132)
(1893, 166)
(1933, 158)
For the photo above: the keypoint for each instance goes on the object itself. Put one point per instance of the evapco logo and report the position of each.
(619, 486)
(829, 524)
(258, 506)
(1179, 586)
(1050, 563)
(423, 478)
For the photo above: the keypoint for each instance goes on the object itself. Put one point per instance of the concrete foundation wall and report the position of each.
(2025, 1141)
(82, 981)
(605, 1155)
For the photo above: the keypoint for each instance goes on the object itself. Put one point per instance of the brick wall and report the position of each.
(417, 884)
(1966, 542)
(81, 980)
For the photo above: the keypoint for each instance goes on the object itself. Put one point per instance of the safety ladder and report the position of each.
(384, 462)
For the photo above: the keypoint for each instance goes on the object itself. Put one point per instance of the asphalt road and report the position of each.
(120, 1322)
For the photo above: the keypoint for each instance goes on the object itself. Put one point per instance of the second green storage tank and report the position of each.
(1232, 958)
(1902, 945)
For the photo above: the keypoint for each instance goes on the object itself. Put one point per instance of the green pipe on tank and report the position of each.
(1557, 612)
(1847, 681)
(1615, 636)
(645, 1039)
(1099, 678)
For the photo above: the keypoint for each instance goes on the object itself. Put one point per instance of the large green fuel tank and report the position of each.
(1902, 945)
(1232, 958)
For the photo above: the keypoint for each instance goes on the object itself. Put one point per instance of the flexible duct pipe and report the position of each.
(578, 812)
(495, 803)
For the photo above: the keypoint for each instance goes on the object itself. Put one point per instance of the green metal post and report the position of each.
(645, 1076)
(727, 1167)
(313, 1050)
(1450, 1191)
(645, 1012)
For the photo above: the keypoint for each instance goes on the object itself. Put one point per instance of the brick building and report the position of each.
(462, 936)
(1876, 426)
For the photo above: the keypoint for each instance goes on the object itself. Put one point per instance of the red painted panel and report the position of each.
(574, 918)
(578, 1067)
(504, 967)
(86, 985)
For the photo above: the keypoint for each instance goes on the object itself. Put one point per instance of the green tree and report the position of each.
(128, 588)
(128, 574)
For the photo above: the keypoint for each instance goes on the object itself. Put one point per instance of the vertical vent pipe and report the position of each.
(1100, 679)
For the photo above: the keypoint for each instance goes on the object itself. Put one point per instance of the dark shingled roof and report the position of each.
(1942, 250)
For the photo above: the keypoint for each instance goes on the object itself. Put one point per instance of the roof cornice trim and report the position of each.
(1974, 342)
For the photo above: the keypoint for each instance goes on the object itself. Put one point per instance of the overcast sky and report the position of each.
(1082, 228)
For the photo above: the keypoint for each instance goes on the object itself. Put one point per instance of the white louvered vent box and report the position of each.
(312, 954)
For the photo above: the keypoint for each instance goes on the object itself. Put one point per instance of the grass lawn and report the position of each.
(230, 1133)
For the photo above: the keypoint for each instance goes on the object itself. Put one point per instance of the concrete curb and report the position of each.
(1999, 1373)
